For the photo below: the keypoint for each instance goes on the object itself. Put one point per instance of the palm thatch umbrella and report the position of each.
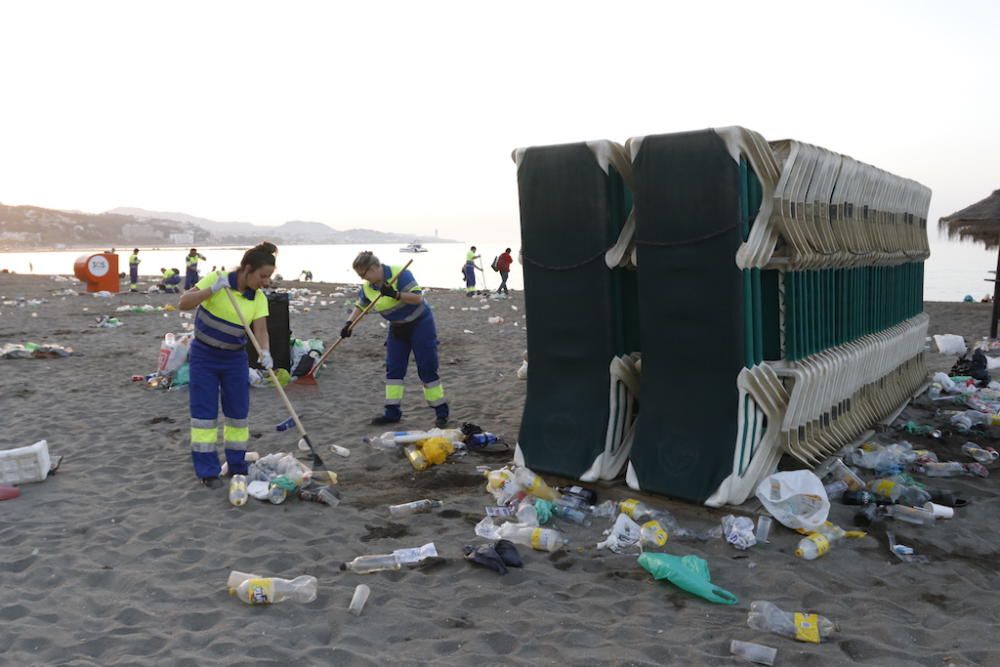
(980, 223)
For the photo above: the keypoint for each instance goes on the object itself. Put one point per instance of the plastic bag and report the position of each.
(624, 536)
(796, 499)
(950, 344)
(689, 573)
(738, 531)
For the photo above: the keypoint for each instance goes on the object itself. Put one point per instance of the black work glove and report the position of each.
(388, 290)
(346, 331)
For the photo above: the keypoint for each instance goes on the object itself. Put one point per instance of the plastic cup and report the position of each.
(940, 511)
(758, 653)
(359, 599)
(763, 529)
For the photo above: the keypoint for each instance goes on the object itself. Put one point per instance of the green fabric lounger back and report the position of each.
(573, 203)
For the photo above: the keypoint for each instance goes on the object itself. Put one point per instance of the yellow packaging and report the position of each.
(436, 449)
(807, 627)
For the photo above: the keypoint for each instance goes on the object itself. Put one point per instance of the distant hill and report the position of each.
(33, 226)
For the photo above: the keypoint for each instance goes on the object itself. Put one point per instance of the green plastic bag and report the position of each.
(689, 573)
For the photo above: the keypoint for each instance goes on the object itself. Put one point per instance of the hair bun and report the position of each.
(267, 247)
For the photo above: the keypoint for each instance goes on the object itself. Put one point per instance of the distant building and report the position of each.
(182, 238)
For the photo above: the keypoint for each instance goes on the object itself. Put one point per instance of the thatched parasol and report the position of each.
(979, 223)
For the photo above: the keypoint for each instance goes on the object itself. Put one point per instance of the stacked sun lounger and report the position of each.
(780, 291)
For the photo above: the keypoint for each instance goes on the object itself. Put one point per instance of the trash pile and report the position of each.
(145, 308)
(21, 302)
(107, 322)
(172, 368)
(34, 351)
(276, 476)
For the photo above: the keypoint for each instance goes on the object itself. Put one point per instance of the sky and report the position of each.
(402, 116)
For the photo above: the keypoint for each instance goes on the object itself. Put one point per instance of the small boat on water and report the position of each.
(414, 247)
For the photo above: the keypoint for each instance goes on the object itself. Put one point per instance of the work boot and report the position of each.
(212, 482)
(441, 422)
(384, 419)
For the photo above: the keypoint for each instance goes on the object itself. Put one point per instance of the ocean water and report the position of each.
(439, 267)
(953, 270)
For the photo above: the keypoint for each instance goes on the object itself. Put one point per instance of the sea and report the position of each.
(953, 270)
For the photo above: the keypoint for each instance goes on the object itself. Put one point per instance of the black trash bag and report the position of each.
(978, 369)
(486, 556)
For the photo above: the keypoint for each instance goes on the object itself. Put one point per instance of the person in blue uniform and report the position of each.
(469, 270)
(411, 329)
(170, 280)
(133, 271)
(219, 359)
(191, 264)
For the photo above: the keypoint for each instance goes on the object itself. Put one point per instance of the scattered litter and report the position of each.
(738, 531)
(758, 653)
(358, 600)
(689, 573)
(796, 499)
(904, 553)
(253, 589)
(766, 616)
(34, 351)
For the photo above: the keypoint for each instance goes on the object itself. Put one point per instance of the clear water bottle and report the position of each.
(766, 616)
(534, 485)
(373, 563)
(269, 590)
(416, 457)
(984, 455)
(276, 494)
(416, 507)
(818, 543)
(238, 490)
(835, 490)
(916, 515)
(540, 539)
(570, 511)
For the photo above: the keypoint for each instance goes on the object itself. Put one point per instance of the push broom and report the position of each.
(317, 462)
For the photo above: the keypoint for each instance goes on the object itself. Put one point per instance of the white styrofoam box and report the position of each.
(25, 464)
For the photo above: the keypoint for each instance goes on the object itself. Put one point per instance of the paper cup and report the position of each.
(940, 511)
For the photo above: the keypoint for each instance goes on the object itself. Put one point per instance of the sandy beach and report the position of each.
(121, 557)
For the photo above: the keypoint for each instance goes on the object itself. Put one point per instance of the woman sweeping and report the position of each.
(411, 329)
(219, 359)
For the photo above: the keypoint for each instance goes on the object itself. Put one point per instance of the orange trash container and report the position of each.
(98, 271)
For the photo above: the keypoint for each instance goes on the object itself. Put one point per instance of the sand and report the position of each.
(121, 558)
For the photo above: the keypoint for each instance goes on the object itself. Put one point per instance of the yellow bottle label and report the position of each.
(654, 532)
(994, 420)
(536, 539)
(821, 542)
(260, 591)
(628, 506)
(807, 627)
(884, 487)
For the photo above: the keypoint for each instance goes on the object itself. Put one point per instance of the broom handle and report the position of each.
(270, 371)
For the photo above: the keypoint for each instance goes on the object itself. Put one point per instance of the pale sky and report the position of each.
(402, 116)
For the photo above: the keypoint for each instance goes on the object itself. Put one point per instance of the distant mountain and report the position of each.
(33, 226)
(293, 231)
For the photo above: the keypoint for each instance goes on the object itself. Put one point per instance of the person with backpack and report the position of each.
(502, 264)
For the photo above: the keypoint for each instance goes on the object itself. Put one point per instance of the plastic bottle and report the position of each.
(479, 440)
(583, 496)
(358, 600)
(758, 653)
(899, 493)
(534, 485)
(640, 511)
(416, 457)
(917, 515)
(416, 507)
(238, 490)
(276, 494)
(323, 494)
(392, 439)
(819, 542)
(835, 490)
(804, 627)
(570, 511)
(840, 471)
(981, 454)
(540, 539)
(373, 563)
(952, 469)
(653, 533)
(268, 590)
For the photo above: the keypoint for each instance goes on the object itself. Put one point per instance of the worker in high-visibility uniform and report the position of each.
(191, 262)
(470, 271)
(219, 359)
(170, 280)
(133, 271)
(411, 329)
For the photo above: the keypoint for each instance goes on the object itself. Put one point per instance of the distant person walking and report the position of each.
(191, 277)
(133, 271)
(503, 266)
(469, 270)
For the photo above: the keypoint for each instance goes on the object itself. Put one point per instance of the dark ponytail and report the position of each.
(260, 255)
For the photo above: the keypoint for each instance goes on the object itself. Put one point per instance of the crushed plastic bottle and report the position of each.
(270, 590)
(416, 507)
(540, 539)
(534, 485)
(766, 616)
(920, 516)
(984, 455)
(951, 469)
